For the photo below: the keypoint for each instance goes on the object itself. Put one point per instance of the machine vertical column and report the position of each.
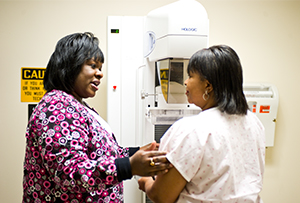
(124, 57)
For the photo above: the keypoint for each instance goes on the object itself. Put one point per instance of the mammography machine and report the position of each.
(147, 58)
(147, 61)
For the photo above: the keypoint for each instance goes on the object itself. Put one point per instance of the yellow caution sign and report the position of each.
(164, 82)
(32, 87)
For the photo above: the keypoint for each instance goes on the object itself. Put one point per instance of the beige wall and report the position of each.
(266, 35)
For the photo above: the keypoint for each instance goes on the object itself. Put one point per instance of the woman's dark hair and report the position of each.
(221, 66)
(65, 64)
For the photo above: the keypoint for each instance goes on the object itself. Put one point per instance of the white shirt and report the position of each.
(221, 156)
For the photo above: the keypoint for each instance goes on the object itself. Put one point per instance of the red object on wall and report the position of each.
(264, 109)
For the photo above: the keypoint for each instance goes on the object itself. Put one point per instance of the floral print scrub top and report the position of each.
(69, 156)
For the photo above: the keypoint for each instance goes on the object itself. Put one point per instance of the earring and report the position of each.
(205, 96)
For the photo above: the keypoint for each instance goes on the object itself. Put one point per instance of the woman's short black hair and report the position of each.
(65, 64)
(221, 66)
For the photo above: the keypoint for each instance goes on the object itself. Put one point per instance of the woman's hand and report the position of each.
(143, 181)
(141, 161)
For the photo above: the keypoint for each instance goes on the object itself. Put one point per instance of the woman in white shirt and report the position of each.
(218, 155)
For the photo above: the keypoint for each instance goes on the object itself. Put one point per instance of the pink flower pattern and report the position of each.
(69, 156)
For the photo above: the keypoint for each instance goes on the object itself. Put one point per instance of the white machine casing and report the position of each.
(172, 32)
(176, 30)
(130, 74)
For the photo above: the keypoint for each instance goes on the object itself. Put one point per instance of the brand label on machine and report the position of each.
(189, 29)
(32, 87)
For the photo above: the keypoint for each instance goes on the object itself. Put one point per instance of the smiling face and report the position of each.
(88, 80)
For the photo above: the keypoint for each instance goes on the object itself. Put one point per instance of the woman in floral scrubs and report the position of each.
(71, 153)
